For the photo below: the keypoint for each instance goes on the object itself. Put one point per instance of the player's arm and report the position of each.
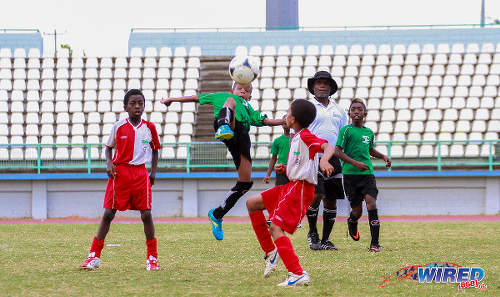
(377, 154)
(154, 165)
(339, 153)
(110, 167)
(183, 99)
(273, 122)
(272, 162)
(324, 163)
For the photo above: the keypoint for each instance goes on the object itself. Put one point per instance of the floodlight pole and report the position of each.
(55, 40)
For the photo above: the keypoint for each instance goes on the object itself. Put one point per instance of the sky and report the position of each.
(102, 27)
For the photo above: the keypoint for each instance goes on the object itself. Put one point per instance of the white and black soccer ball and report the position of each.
(244, 69)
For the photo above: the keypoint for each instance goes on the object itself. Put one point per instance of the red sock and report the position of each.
(152, 251)
(96, 247)
(261, 230)
(290, 259)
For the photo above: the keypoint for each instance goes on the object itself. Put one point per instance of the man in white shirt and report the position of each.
(330, 118)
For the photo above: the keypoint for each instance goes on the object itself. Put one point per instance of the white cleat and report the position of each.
(271, 260)
(92, 262)
(152, 264)
(296, 280)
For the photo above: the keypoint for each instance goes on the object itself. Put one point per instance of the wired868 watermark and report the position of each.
(440, 272)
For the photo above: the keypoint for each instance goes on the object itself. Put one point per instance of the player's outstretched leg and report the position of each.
(216, 225)
(215, 215)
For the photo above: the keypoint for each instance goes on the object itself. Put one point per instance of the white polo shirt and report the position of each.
(328, 122)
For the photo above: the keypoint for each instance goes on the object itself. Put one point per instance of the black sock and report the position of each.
(231, 198)
(312, 218)
(329, 216)
(374, 225)
(352, 218)
(225, 116)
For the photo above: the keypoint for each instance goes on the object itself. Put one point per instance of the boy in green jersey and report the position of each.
(354, 148)
(233, 118)
(279, 153)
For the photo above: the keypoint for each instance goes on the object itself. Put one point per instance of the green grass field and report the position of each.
(43, 260)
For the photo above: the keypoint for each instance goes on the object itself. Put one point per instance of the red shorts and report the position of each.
(287, 204)
(130, 189)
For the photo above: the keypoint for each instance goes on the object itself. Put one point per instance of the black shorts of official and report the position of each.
(356, 186)
(331, 187)
(239, 144)
(281, 179)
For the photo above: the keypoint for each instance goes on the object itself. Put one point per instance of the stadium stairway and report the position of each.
(214, 77)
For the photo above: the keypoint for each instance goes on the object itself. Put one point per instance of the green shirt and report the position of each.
(243, 113)
(281, 146)
(356, 143)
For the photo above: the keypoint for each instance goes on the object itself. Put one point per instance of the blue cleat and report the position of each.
(224, 133)
(216, 225)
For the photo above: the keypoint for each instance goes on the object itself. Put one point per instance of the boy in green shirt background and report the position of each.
(233, 118)
(279, 153)
(354, 148)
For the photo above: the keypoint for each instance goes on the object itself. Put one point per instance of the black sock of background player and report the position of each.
(374, 225)
(329, 216)
(312, 218)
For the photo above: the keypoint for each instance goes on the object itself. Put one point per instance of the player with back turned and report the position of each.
(287, 204)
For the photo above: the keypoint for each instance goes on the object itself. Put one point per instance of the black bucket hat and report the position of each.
(319, 75)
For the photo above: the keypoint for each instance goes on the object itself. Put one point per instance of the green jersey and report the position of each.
(281, 146)
(243, 113)
(356, 143)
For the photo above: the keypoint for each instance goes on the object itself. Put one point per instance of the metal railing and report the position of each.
(211, 155)
(309, 28)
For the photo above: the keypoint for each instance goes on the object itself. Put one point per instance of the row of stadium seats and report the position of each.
(91, 64)
(367, 49)
(180, 51)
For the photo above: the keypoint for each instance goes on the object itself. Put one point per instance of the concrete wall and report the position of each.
(191, 195)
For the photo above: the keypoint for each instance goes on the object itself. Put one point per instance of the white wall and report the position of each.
(53, 198)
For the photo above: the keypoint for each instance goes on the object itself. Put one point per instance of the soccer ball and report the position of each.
(244, 69)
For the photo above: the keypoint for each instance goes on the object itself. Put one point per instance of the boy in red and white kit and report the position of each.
(287, 204)
(135, 142)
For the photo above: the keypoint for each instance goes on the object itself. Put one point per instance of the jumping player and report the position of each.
(233, 117)
(287, 204)
(354, 148)
(135, 142)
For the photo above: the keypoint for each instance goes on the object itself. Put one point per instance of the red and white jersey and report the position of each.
(302, 158)
(133, 145)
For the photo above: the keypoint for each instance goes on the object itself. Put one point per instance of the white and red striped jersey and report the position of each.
(303, 159)
(133, 145)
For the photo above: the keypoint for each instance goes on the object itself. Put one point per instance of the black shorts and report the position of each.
(281, 179)
(239, 144)
(357, 186)
(331, 187)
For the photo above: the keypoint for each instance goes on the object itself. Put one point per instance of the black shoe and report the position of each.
(268, 222)
(375, 248)
(353, 230)
(328, 245)
(313, 240)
